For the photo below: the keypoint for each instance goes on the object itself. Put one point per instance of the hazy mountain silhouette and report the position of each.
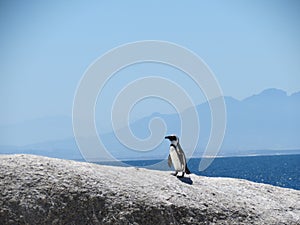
(258, 124)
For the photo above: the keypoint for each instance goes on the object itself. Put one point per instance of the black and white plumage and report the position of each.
(177, 156)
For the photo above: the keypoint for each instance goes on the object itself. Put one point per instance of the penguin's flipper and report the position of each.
(169, 161)
(187, 171)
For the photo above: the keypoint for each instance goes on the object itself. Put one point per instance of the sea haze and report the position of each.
(266, 121)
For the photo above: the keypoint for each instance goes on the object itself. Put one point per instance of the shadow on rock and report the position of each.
(186, 180)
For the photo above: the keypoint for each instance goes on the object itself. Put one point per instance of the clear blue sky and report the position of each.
(45, 46)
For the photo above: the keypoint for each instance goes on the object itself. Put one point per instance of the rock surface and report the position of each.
(40, 190)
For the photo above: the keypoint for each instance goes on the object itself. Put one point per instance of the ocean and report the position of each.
(278, 170)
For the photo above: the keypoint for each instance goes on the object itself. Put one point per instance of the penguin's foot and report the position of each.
(182, 175)
(174, 174)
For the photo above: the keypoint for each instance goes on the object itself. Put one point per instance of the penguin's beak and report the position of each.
(167, 137)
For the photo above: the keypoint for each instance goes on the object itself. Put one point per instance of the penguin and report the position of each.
(177, 157)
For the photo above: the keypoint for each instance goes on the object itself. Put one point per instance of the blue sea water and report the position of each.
(278, 170)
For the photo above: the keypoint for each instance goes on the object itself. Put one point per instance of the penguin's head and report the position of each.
(173, 138)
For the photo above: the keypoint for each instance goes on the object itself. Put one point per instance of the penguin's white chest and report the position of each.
(178, 165)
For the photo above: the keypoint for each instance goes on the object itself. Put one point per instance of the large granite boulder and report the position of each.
(40, 190)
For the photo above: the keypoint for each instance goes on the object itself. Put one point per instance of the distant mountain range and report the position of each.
(267, 123)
